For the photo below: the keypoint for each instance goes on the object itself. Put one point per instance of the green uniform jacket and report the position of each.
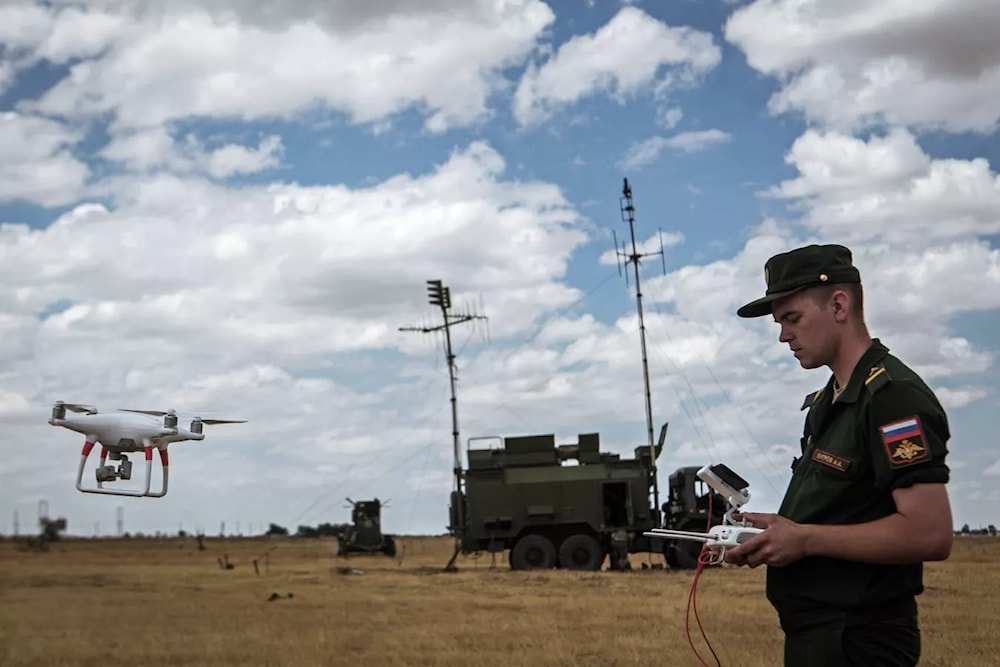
(886, 431)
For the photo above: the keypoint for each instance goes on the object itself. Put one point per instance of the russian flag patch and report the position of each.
(904, 441)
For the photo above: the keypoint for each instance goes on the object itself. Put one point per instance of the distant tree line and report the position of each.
(990, 530)
(51, 530)
(322, 530)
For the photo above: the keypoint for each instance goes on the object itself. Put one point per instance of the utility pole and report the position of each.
(16, 524)
(634, 257)
(440, 295)
(121, 520)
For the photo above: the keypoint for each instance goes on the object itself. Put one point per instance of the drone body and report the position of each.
(124, 432)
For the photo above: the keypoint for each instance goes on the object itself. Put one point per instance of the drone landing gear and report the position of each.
(108, 473)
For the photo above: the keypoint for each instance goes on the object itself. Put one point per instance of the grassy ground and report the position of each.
(150, 603)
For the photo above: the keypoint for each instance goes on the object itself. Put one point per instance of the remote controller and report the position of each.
(725, 537)
(736, 493)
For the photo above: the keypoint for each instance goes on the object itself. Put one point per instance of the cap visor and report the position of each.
(762, 306)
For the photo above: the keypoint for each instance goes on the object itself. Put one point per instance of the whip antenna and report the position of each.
(634, 257)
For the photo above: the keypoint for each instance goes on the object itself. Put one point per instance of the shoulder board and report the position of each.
(878, 377)
(810, 399)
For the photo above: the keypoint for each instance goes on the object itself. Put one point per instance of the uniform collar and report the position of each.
(872, 356)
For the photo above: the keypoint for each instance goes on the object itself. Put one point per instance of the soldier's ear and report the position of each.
(841, 303)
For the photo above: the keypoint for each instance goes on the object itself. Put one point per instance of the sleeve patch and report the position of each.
(904, 442)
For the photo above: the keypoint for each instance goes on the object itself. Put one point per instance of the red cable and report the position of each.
(704, 558)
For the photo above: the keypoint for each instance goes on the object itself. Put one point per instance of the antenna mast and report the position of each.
(634, 257)
(440, 295)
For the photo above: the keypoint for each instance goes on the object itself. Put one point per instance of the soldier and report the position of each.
(867, 503)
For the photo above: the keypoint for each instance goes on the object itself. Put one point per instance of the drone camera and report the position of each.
(109, 473)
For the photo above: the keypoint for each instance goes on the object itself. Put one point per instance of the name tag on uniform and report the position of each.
(831, 460)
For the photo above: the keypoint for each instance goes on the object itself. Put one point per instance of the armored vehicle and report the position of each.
(572, 506)
(364, 535)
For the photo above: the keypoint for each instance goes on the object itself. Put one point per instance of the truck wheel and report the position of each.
(533, 552)
(682, 554)
(581, 552)
(390, 547)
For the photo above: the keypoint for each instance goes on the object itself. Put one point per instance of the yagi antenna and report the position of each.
(440, 295)
(634, 257)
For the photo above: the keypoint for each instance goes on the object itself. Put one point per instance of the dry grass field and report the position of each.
(154, 603)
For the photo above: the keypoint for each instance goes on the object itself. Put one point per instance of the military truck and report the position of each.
(572, 506)
(364, 535)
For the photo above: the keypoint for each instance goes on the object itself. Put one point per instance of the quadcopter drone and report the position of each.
(736, 492)
(124, 432)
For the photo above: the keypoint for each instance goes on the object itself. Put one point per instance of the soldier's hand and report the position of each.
(781, 543)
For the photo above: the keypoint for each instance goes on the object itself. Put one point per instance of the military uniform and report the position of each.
(884, 430)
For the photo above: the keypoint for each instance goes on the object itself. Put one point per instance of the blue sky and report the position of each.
(228, 211)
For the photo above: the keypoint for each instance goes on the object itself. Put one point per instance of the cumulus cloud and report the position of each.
(155, 148)
(7, 76)
(632, 53)
(888, 188)
(926, 63)
(231, 60)
(292, 248)
(649, 150)
(36, 160)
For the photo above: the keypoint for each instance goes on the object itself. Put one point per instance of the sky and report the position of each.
(231, 211)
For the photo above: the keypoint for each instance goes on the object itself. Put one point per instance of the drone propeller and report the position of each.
(81, 408)
(59, 409)
(155, 413)
(197, 422)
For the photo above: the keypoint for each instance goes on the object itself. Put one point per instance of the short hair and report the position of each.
(823, 293)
